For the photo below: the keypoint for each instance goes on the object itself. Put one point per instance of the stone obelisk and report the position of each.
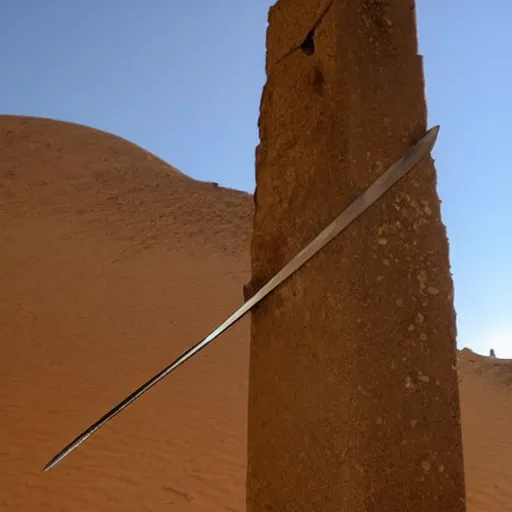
(353, 401)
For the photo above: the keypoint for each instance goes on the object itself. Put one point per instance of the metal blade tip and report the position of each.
(61, 455)
(433, 133)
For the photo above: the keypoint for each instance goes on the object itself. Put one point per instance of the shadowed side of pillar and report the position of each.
(353, 394)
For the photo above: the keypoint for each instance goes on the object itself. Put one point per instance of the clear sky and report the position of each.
(184, 79)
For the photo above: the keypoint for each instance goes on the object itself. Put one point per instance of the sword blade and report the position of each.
(376, 190)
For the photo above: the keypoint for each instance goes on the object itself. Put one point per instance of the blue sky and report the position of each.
(184, 79)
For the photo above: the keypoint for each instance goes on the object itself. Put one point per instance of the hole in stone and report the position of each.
(308, 46)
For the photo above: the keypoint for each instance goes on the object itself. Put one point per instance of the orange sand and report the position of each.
(111, 263)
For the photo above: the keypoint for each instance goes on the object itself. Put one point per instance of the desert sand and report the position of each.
(111, 263)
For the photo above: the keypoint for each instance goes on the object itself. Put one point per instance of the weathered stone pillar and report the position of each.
(353, 402)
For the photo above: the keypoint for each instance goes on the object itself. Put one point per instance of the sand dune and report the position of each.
(111, 263)
(486, 397)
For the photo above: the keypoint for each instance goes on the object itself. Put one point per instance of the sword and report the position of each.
(374, 192)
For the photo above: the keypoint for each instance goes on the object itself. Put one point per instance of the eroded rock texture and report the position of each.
(353, 402)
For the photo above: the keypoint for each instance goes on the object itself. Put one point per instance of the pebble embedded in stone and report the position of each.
(423, 378)
(426, 465)
(422, 278)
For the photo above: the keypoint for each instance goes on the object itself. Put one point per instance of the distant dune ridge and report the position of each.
(112, 262)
